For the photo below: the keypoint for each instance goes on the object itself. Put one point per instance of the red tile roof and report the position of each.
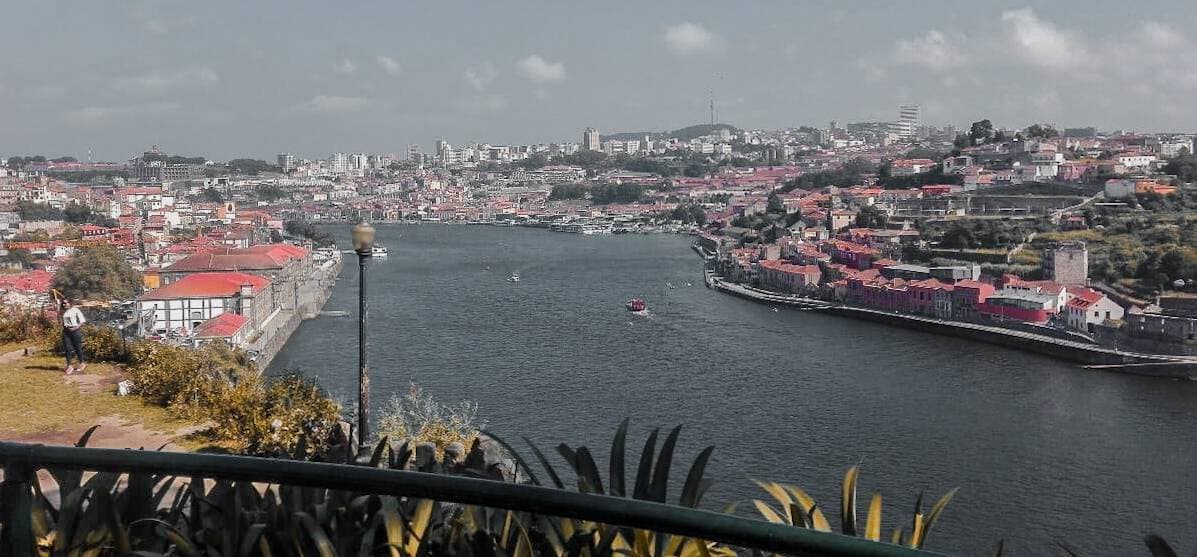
(207, 285)
(272, 256)
(224, 325)
(37, 281)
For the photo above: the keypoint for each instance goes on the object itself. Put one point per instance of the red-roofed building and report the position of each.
(229, 327)
(186, 303)
(1088, 307)
(788, 277)
(967, 295)
(285, 265)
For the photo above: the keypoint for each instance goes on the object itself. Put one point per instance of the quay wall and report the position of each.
(313, 294)
(1072, 351)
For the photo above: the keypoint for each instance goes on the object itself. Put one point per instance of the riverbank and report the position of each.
(312, 293)
(1097, 357)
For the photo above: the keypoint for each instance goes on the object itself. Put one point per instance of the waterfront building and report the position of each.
(187, 303)
(1088, 308)
(1067, 263)
(284, 265)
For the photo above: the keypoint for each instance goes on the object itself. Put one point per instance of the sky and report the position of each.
(227, 79)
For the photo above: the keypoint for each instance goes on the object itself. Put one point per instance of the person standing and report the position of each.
(72, 335)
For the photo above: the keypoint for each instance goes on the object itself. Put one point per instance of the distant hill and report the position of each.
(684, 134)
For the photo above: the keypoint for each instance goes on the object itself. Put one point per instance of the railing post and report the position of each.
(16, 510)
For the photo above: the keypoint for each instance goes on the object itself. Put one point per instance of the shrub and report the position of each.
(104, 344)
(251, 414)
(420, 418)
(18, 325)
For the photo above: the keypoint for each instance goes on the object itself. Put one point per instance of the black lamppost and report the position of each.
(363, 245)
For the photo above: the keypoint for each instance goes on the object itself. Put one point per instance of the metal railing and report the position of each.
(21, 460)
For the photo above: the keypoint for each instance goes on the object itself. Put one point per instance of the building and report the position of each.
(1088, 308)
(908, 122)
(338, 163)
(415, 154)
(286, 161)
(591, 140)
(186, 304)
(1067, 263)
(286, 266)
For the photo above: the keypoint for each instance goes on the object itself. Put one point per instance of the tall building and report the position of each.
(908, 122)
(358, 161)
(414, 153)
(338, 163)
(590, 140)
(1067, 263)
(286, 161)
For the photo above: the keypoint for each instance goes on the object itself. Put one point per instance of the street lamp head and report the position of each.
(363, 238)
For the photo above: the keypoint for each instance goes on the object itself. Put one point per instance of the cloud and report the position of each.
(871, 70)
(332, 104)
(98, 114)
(688, 38)
(389, 65)
(45, 92)
(480, 77)
(159, 82)
(1042, 45)
(540, 94)
(539, 70)
(345, 66)
(934, 51)
(482, 103)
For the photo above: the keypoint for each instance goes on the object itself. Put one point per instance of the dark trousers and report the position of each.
(72, 343)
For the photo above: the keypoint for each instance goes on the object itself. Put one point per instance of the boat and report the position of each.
(637, 306)
(378, 251)
(515, 277)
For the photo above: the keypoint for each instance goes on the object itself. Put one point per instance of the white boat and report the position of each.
(515, 277)
(378, 251)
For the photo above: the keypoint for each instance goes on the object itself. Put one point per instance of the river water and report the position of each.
(1042, 451)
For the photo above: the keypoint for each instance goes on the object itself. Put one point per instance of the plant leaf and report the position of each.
(873, 522)
(664, 463)
(693, 488)
(936, 510)
(1158, 546)
(644, 470)
(588, 474)
(848, 501)
(616, 470)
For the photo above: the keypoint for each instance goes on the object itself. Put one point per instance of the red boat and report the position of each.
(636, 305)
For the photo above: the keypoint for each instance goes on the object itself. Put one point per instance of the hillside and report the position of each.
(684, 134)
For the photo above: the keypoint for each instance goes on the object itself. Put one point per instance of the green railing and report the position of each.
(21, 461)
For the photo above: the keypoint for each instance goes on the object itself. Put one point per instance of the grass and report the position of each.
(36, 400)
(6, 347)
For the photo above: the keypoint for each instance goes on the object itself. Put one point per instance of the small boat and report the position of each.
(637, 306)
(487, 268)
(378, 251)
(669, 285)
(515, 277)
(774, 310)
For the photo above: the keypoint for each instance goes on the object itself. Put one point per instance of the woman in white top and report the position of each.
(72, 335)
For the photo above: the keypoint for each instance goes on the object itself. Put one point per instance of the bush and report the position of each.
(249, 413)
(18, 325)
(419, 418)
(104, 344)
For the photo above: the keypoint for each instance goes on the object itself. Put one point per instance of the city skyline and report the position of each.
(317, 79)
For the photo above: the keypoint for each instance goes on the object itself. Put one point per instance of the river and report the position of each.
(1042, 450)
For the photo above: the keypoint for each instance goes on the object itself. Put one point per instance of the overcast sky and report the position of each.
(234, 78)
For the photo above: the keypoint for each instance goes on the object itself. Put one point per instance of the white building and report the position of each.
(1135, 161)
(1089, 307)
(591, 140)
(338, 163)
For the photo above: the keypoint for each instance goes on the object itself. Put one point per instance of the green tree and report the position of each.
(775, 206)
(958, 237)
(980, 132)
(20, 256)
(870, 216)
(1038, 131)
(98, 273)
(30, 211)
(212, 195)
(534, 161)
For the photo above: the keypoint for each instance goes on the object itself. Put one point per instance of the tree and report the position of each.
(958, 237)
(775, 206)
(534, 161)
(20, 256)
(980, 132)
(98, 273)
(65, 159)
(30, 211)
(1037, 131)
(70, 233)
(870, 216)
(275, 237)
(212, 195)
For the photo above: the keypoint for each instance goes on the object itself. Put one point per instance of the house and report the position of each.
(228, 327)
(1014, 304)
(185, 304)
(787, 277)
(1088, 307)
(286, 266)
(967, 296)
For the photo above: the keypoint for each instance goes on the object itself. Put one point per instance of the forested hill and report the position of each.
(684, 134)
